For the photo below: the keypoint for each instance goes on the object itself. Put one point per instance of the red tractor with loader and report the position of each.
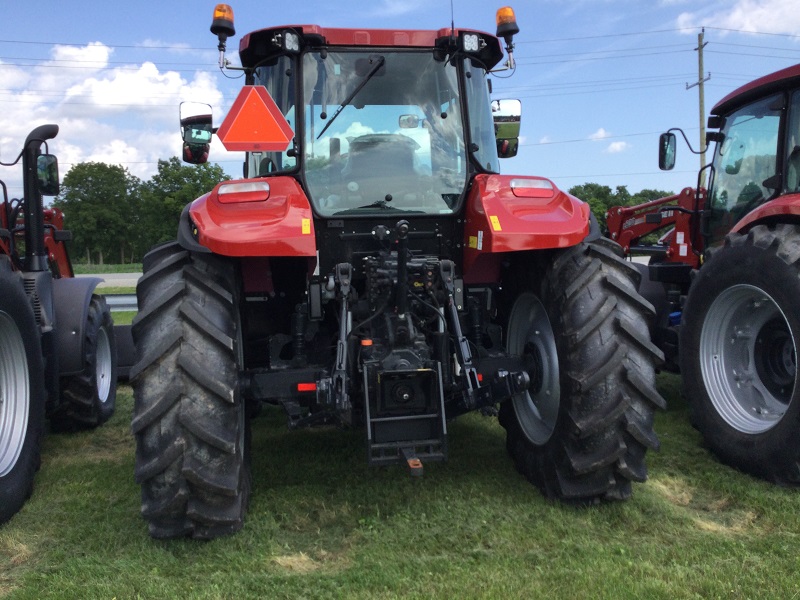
(725, 277)
(57, 344)
(374, 269)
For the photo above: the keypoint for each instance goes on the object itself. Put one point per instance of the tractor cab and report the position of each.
(757, 155)
(383, 121)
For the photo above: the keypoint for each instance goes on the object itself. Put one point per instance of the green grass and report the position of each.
(84, 269)
(324, 525)
(110, 289)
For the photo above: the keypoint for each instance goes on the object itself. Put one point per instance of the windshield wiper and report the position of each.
(379, 60)
(379, 204)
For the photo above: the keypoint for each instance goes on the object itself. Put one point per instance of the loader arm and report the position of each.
(682, 243)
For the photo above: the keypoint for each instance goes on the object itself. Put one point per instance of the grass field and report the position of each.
(324, 525)
(84, 269)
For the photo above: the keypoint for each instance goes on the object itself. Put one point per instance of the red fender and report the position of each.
(785, 206)
(507, 213)
(255, 217)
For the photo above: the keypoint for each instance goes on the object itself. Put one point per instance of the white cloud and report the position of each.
(600, 134)
(768, 16)
(545, 139)
(616, 147)
(115, 113)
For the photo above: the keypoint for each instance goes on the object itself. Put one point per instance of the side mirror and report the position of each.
(47, 174)
(408, 121)
(507, 148)
(507, 115)
(666, 151)
(196, 129)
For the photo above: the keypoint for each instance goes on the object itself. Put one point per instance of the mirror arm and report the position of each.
(688, 143)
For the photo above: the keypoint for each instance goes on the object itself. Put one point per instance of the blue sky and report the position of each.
(598, 79)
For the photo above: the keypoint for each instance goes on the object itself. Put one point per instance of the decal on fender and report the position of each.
(306, 226)
(476, 242)
(495, 223)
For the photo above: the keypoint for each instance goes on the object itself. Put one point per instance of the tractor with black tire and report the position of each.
(725, 277)
(373, 269)
(57, 344)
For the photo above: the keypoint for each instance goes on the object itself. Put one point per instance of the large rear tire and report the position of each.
(192, 440)
(89, 398)
(581, 431)
(739, 336)
(22, 395)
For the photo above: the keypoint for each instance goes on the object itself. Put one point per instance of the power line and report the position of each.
(788, 35)
(632, 49)
(598, 91)
(602, 139)
(590, 58)
(102, 62)
(750, 54)
(83, 44)
(758, 47)
(41, 66)
(594, 37)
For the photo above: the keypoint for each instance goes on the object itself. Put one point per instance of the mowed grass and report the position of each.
(322, 524)
(84, 269)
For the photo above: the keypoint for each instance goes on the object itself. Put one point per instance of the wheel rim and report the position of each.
(102, 366)
(531, 337)
(748, 359)
(14, 394)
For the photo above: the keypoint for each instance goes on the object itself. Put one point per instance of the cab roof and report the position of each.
(257, 45)
(758, 88)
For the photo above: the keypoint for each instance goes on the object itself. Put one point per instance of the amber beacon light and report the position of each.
(222, 25)
(507, 28)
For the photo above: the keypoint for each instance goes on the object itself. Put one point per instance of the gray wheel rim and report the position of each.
(748, 359)
(14, 394)
(530, 335)
(102, 366)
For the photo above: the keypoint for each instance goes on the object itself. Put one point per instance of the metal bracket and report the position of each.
(344, 272)
(474, 395)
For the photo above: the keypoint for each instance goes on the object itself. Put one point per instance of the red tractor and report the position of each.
(373, 269)
(725, 278)
(57, 346)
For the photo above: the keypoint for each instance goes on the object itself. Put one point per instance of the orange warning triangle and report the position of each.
(255, 123)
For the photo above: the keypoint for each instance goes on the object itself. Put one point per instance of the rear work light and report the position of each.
(532, 188)
(243, 191)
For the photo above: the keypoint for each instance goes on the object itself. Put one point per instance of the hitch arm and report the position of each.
(341, 398)
(474, 394)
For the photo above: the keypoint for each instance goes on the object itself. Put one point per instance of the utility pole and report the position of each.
(701, 89)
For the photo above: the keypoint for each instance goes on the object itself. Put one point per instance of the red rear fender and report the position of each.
(784, 208)
(507, 213)
(255, 217)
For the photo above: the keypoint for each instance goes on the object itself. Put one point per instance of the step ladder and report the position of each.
(405, 416)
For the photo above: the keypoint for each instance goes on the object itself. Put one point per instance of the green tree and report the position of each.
(647, 195)
(165, 195)
(601, 198)
(100, 207)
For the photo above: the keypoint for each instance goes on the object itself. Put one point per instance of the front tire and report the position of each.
(89, 398)
(739, 336)
(192, 441)
(22, 395)
(581, 431)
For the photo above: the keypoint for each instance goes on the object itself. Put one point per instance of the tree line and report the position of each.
(601, 198)
(116, 218)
